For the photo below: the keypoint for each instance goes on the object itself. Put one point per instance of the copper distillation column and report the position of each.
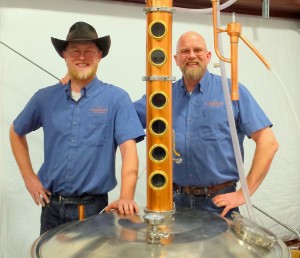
(159, 106)
(159, 210)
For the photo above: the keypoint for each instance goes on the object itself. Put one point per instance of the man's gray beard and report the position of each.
(192, 74)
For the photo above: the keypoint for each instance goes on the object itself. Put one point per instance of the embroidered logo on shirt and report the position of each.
(215, 104)
(99, 110)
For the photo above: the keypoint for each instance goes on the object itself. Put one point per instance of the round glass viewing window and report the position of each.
(158, 99)
(158, 29)
(157, 57)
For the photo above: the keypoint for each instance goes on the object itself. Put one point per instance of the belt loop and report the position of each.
(60, 198)
(206, 192)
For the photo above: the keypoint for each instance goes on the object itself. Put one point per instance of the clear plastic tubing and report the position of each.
(236, 145)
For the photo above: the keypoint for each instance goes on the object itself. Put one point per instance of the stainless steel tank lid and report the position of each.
(192, 234)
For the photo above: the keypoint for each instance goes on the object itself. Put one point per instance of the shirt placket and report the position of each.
(73, 145)
(189, 134)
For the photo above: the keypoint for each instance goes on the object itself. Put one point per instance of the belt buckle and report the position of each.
(190, 190)
(178, 189)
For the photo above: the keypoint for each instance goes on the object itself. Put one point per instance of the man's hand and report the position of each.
(266, 147)
(126, 207)
(20, 150)
(229, 201)
(38, 193)
(65, 79)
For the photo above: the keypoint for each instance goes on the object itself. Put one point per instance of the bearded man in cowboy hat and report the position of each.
(83, 125)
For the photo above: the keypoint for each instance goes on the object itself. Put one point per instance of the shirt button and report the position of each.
(72, 140)
(75, 123)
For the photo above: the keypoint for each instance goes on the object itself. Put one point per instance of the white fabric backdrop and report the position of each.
(27, 27)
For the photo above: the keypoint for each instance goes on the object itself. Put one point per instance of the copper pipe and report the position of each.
(255, 52)
(216, 31)
(81, 210)
(234, 31)
(158, 77)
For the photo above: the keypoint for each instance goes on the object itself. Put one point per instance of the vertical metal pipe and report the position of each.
(266, 8)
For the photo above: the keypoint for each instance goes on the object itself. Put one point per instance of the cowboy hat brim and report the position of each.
(102, 43)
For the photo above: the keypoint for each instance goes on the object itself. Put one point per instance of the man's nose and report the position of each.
(192, 54)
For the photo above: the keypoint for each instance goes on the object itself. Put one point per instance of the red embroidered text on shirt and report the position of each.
(99, 110)
(215, 104)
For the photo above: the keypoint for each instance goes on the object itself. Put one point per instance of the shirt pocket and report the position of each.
(212, 124)
(96, 130)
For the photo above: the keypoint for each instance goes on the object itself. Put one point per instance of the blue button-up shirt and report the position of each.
(80, 138)
(202, 133)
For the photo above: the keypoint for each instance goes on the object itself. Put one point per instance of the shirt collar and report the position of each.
(200, 87)
(85, 91)
(205, 82)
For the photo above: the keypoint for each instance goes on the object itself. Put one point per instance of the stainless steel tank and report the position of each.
(185, 233)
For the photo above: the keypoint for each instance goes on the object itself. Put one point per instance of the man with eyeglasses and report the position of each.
(207, 176)
(83, 124)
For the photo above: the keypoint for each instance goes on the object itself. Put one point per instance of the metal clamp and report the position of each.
(159, 9)
(159, 78)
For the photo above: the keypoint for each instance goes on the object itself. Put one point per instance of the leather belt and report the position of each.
(193, 190)
(73, 199)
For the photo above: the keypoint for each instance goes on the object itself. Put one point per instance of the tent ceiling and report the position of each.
(287, 9)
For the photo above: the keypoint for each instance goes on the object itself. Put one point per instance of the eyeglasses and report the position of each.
(87, 53)
(198, 51)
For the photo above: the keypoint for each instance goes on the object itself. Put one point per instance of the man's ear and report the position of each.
(208, 56)
(100, 55)
(175, 58)
(64, 55)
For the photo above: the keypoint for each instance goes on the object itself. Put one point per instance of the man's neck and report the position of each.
(190, 84)
(77, 85)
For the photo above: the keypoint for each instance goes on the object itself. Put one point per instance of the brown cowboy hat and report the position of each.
(81, 31)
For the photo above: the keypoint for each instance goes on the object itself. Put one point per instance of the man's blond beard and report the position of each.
(83, 75)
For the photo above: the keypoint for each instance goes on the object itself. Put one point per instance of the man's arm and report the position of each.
(126, 203)
(140, 108)
(266, 147)
(21, 153)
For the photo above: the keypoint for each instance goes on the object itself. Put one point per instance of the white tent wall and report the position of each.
(27, 26)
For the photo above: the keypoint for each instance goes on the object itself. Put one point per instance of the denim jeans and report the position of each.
(56, 213)
(203, 202)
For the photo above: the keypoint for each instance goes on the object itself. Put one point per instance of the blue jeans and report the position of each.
(203, 202)
(56, 213)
